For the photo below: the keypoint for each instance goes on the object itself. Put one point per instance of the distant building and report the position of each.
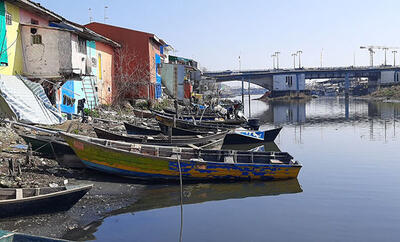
(146, 53)
(286, 84)
(179, 76)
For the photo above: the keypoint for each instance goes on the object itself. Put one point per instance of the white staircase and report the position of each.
(89, 88)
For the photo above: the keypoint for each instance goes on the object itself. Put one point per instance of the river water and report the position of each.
(347, 190)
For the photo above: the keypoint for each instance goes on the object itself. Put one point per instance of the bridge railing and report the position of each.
(234, 72)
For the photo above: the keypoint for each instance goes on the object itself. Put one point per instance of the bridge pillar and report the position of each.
(297, 84)
(346, 85)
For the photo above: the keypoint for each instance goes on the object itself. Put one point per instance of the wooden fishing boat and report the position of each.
(166, 121)
(206, 124)
(7, 236)
(188, 116)
(142, 113)
(251, 137)
(161, 162)
(190, 132)
(140, 130)
(188, 141)
(54, 147)
(29, 201)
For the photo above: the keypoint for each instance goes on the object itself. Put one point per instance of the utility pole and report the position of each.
(240, 69)
(294, 60)
(321, 56)
(354, 58)
(371, 57)
(273, 60)
(248, 92)
(394, 57)
(277, 59)
(105, 16)
(240, 64)
(299, 54)
(385, 49)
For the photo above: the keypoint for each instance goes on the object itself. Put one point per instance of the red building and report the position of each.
(138, 58)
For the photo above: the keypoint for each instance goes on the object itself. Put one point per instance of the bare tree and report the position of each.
(132, 76)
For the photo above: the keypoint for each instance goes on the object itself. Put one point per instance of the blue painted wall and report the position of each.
(67, 94)
(158, 90)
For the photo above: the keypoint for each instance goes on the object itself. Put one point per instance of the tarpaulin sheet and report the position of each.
(28, 101)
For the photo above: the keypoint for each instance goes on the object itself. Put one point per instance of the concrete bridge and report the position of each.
(293, 80)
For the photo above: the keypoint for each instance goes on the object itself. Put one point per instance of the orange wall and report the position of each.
(138, 44)
(107, 68)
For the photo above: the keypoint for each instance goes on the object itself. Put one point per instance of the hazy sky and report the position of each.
(216, 32)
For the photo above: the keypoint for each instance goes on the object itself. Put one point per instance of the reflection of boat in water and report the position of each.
(167, 196)
(163, 196)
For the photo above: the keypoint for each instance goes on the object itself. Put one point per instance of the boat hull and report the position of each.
(251, 137)
(133, 129)
(59, 150)
(137, 165)
(158, 140)
(49, 203)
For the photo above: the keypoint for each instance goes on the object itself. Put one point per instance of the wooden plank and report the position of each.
(19, 194)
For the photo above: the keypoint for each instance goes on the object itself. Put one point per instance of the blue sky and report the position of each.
(216, 32)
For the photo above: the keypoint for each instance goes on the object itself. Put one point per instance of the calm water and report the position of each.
(347, 190)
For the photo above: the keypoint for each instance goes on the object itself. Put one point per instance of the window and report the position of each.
(34, 21)
(8, 18)
(81, 45)
(37, 39)
(289, 81)
(94, 62)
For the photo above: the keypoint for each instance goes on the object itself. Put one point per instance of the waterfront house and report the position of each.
(60, 55)
(138, 60)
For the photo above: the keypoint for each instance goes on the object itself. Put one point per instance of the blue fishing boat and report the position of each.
(251, 137)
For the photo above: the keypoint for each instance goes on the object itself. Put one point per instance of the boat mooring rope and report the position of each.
(181, 195)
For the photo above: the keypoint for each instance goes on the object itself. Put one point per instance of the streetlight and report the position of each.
(277, 59)
(294, 60)
(394, 57)
(385, 49)
(273, 60)
(299, 54)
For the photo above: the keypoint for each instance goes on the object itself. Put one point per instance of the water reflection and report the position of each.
(326, 110)
(163, 196)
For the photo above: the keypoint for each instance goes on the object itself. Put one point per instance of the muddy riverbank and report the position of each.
(108, 194)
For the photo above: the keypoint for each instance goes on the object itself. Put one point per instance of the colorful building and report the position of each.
(144, 51)
(59, 54)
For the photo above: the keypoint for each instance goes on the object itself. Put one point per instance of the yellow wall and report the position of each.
(14, 51)
(105, 92)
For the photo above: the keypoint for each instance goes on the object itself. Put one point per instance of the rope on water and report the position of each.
(181, 196)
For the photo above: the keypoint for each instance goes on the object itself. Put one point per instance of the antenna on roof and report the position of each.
(105, 16)
(90, 15)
